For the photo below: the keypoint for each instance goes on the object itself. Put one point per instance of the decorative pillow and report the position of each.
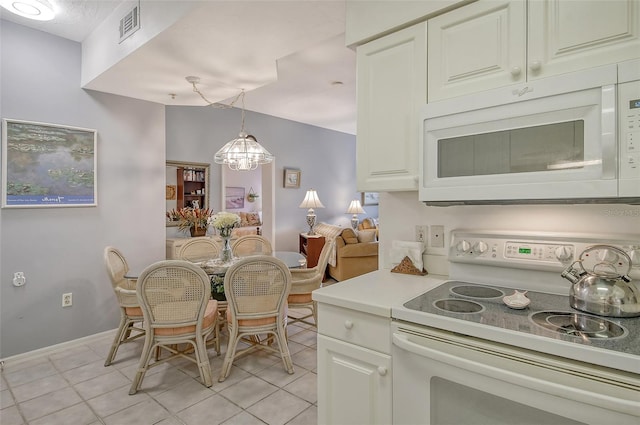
(243, 219)
(349, 236)
(367, 235)
(367, 223)
(253, 219)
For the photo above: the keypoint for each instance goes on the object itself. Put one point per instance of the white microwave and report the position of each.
(571, 138)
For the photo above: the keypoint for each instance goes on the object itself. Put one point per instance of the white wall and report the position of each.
(60, 249)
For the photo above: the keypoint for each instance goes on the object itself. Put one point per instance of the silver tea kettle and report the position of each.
(601, 285)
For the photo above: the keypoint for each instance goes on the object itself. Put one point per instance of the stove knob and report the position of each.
(564, 253)
(481, 247)
(463, 246)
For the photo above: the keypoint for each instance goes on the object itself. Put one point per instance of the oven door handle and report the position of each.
(631, 407)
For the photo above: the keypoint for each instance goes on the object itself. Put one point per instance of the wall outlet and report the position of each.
(421, 234)
(19, 279)
(67, 299)
(437, 236)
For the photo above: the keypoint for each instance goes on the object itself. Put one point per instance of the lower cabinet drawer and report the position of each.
(363, 329)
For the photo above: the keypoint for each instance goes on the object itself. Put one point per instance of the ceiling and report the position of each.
(288, 56)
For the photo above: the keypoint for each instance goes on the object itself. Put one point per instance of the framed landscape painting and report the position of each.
(47, 165)
(369, 198)
(234, 198)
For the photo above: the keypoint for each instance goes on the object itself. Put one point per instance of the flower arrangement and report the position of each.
(225, 222)
(193, 217)
(173, 215)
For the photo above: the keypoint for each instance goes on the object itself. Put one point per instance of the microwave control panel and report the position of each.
(629, 128)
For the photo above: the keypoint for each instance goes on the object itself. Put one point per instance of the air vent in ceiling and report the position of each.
(130, 23)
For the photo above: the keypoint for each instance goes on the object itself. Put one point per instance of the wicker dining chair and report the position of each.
(305, 281)
(251, 245)
(174, 297)
(195, 250)
(257, 288)
(125, 290)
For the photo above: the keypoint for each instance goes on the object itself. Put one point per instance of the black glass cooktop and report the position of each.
(483, 304)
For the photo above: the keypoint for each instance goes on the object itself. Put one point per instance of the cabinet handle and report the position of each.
(535, 66)
(515, 71)
(348, 324)
(382, 371)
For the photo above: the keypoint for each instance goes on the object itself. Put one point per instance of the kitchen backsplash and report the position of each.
(400, 212)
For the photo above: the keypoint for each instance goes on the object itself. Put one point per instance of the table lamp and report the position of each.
(355, 208)
(311, 201)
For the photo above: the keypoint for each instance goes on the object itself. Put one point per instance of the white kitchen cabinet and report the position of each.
(495, 43)
(355, 384)
(476, 47)
(354, 367)
(391, 84)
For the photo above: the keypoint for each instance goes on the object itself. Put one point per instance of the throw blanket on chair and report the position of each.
(330, 232)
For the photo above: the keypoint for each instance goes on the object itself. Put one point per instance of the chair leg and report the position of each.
(145, 357)
(203, 360)
(122, 328)
(231, 353)
(281, 337)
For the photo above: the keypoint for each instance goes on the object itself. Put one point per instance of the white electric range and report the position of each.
(461, 355)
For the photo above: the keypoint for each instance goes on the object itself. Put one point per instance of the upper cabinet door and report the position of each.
(566, 35)
(477, 47)
(391, 83)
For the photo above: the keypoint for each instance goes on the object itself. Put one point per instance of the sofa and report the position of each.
(250, 223)
(353, 253)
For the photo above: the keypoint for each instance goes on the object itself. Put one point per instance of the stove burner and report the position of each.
(458, 306)
(578, 325)
(477, 291)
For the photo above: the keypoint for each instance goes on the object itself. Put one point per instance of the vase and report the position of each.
(225, 253)
(197, 231)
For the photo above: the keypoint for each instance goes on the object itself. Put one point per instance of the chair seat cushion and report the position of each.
(251, 322)
(210, 316)
(299, 298)
(133, 311)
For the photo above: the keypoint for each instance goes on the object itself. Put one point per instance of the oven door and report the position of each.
(446, 378)
(557, 146)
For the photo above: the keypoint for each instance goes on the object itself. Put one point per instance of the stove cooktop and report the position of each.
(483, 305)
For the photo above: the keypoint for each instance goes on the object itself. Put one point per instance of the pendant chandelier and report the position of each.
(243, 153)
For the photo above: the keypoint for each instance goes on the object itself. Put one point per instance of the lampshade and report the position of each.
(355, 208)
(243, 153)
(311, 201)
(39, 10)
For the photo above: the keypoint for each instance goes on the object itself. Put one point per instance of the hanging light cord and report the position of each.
(239, 96)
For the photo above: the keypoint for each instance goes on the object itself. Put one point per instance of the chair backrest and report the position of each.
(173, 293)
(117, 266)
(257, 287)
(304, 281)
(251, 245)
(200, 249)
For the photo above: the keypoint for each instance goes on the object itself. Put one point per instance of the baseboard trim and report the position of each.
(45, 351)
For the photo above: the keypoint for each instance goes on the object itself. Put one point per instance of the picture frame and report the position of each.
(291, 178)
(48, 165)
(234, 198)
(369, 198)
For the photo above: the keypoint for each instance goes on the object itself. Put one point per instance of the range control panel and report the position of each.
(544, 251)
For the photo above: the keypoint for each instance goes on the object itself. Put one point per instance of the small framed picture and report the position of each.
(234, 198)
(369, 198)
(291, 178)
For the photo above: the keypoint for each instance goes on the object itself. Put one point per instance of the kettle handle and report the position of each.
(571, 274)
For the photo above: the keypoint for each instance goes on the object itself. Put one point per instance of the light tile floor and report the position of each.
(72, 387)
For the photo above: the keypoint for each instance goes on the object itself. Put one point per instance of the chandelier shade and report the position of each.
(243, 153)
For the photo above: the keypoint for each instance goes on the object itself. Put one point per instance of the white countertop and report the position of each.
(376, 292)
